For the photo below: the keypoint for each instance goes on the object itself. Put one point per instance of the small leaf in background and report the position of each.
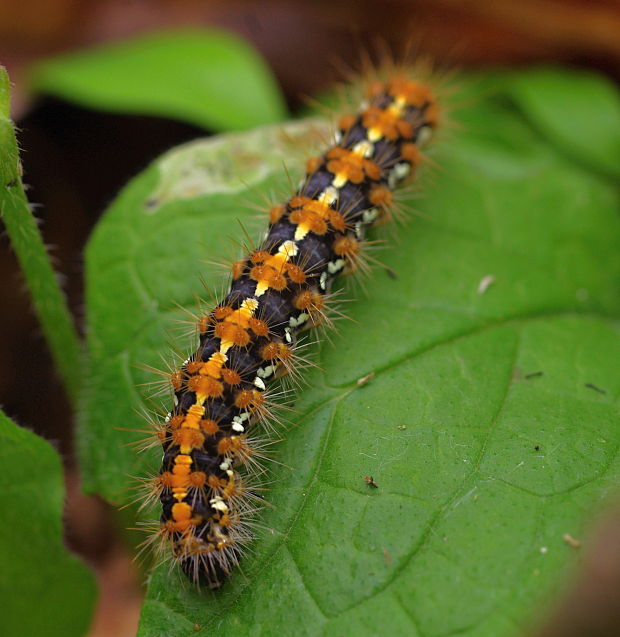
(480, 423)
(45, 591)
(211, 79)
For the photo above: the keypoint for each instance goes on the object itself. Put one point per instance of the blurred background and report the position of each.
(75, 161)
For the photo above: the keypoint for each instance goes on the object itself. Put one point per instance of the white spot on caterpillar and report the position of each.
(359, 229)
(335, 266)
(370, 215)
(230, 473)
(250, 304)
(329, 195)
(287, 335)
(323, 280)
(237, 427)
(259, 383)
(300, 320)
(175, 400)
(337, 137)
(265, 372)
(364, 148)
(168, 417)
(424, 136)
(288, 249)
(225, 466)
(399, 172)
(218, 504)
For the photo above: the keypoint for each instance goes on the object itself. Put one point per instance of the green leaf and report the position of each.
(45, 591)
(491, 422)
(578, 111)
(209, 78)
(21, 226)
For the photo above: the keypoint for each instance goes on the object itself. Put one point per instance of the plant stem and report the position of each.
(49, 301)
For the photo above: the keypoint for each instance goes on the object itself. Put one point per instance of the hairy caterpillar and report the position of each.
(249, 339)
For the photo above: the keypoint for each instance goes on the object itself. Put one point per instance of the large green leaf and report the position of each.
(208, 78)
(45, 591)
(491, 424)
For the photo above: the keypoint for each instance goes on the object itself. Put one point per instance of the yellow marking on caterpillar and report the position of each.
(287, 250)
(182, 516)
(213, 367)
(339, 180)
(180, 476)
(243, 314)
(396, 107)
(195, 413)
(301, 231)
(317, 206)
(240, 317)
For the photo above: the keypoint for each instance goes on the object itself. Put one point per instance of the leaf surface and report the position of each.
(491, 422)
(45, 591)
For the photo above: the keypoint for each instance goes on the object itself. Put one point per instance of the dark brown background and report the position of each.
(73, 168)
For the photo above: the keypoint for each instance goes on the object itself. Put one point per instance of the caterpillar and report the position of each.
(251, 338)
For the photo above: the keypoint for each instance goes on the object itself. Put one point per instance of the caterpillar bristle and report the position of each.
(232, 394)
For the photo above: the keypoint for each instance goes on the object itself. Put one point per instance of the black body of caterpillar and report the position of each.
(249, 338)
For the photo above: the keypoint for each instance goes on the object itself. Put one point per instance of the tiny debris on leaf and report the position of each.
(595, 388)
(571, 541)
(533, 375)
(364, 379)
(386, 555)
(402, 427)
(370, 481)
(485, 283)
